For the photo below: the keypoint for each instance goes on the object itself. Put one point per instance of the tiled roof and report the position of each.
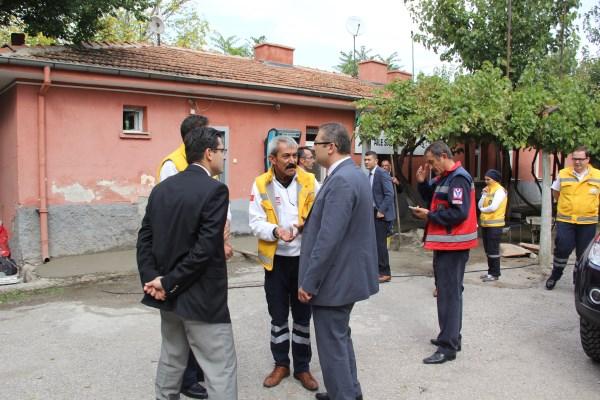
(201, 65)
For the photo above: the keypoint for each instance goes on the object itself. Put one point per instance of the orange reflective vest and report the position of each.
(459, 237)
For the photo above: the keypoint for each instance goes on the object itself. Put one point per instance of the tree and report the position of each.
(18, 26)
(189, 30)
(591, 24)
(475, 31)
(65, 20)
(184, 26)
(228, 45)
(349, 63)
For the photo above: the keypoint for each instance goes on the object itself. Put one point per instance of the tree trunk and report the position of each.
(396, 197)
(546, 217)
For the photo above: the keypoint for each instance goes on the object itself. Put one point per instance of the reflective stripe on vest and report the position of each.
(462, 236)
(579, 199)
(491, 222)
(451, 238)
(306, 197)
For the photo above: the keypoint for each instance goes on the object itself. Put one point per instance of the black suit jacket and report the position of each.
(181, 239)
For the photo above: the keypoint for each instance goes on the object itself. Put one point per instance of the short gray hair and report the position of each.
(438, 148)
(274, 144)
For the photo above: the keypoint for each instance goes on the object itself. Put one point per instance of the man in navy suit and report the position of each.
(383, 210)
(336, 266)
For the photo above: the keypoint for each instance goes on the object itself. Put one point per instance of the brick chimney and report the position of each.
(274, 53)
(398, 75)
(373, 71)
(17, 39)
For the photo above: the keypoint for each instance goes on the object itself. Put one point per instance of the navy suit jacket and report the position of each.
(383, 194)
(338, 260)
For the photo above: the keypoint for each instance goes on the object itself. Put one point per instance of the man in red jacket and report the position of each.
(451, 232)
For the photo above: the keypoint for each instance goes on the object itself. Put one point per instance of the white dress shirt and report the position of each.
(168, 169)
(285, 202)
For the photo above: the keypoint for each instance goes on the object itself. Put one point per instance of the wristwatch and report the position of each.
(275, 233)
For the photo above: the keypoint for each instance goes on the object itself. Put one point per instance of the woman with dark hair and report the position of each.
(493, 209)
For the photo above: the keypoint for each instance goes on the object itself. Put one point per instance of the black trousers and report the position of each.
(569, 237)
(449, 270)
(381, 233)
(192, 374)
(491, 244)
(281, 289)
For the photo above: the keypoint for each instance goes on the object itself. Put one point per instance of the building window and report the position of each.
(311, 134)
(133, 119)
(134, 123)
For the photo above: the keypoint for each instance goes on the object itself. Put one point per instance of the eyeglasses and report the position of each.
(315, 143)
(579, 159)
(224, 150)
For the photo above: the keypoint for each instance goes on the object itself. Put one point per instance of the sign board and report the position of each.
(381, 146)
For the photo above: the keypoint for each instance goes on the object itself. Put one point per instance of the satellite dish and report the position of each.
(156, 25)
(353, 25)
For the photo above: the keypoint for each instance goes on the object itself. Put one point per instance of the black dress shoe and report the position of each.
(196, 391)
(438, 358)
(436, 342)
(325, 396)
(550, 283)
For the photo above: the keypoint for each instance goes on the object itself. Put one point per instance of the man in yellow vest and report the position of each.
(578, 192)
(280, 201)
(491, 220)
(172, 164)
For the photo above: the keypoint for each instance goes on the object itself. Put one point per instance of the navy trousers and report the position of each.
(281, 289)
(491, 243)
(192, 374)
(449, 270)
(381, 232)
(569, 237)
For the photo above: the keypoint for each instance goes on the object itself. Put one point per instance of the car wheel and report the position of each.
(590, 339)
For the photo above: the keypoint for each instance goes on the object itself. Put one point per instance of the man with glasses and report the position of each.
(577, 190)
(281, 200)
(181, 261)
(306, 158)
(337, 267)
(172, 164)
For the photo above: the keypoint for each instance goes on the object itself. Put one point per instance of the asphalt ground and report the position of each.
(96, 341)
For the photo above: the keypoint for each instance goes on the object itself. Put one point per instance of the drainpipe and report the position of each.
(43, 209)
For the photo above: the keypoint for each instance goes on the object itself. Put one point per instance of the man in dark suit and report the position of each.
(336, 264)
(181, 261)
(383, 210)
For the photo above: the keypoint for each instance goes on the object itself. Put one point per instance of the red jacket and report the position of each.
(452, 219)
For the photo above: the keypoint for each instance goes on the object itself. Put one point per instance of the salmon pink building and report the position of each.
(82, 130)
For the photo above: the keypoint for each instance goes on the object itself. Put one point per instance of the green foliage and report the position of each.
(16, 26)
(65, 20)
(190, 30)
(476, 108)
(591, 24)
(405, 111)
(229, 45)
(475, 31)
(576, 122)
(349, 65)
(484, 107)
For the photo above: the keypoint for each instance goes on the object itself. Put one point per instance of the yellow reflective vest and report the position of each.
(306, 198)
(494, 218)
(579, 200)
(177, 157)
